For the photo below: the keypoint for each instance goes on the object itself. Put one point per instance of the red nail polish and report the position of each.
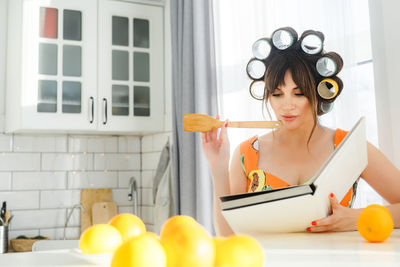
(331, 195)
(226, 125)
(308, 229)
(314, 223)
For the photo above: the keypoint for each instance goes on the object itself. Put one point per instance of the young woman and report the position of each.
(292, 154)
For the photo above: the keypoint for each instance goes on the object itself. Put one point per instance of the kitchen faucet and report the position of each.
(69, 216)
(132, 190)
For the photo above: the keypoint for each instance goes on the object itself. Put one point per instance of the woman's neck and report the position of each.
(299, 137)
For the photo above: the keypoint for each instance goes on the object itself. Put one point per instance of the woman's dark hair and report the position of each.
(303, 74)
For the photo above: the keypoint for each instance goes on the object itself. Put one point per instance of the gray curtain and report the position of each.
(194, 90)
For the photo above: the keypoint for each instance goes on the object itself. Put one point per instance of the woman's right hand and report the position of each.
(216, 149)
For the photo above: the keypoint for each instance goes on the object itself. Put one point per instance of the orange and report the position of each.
(141, 251)
(375, 223)
(128, 225)
(100, 238)
(237, 251)
(218, 240)
(187, 243)
(176, 220)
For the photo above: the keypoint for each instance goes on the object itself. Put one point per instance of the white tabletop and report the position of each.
(62, 257)
(283, 250)
(329, 249)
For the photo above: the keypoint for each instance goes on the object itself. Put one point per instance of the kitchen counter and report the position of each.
(299, 249)
(62, 257)
(329, 249)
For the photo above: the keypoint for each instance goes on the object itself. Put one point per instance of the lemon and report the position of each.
(187, 244)
(141, 251)
(128, 225)
(100, 238)
(238, 251)
(172, 222)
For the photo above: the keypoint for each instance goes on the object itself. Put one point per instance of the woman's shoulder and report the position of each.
(251, 142)
(335, 134)
(329, 131)
(268, 137)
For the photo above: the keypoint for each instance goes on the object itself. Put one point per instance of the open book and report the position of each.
(292, 209)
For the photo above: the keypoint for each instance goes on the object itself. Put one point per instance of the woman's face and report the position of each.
(290, 105)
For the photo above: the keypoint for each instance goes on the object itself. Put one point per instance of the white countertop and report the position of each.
(329, 249)
(300, 249)
(62, 257)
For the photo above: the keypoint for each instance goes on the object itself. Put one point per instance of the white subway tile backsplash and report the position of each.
(58, 233)
(117, 162)
(120, 196)
(93, 144)
(77, 144)
(67, 162)
(18, 200)
(59, 198)
(147, 196)
(19, 161)
(129, 144)
(99, 179)
(41, 177)
(159, 141)
(5, 181)
(37, 219)
(125, 177)
(28, 233)
(148, 178)
(75, 219)
(39, 180)
(6, 143)
(150, 160)
(24, 143)
(126, 209)
(147, 143)
(103, 144)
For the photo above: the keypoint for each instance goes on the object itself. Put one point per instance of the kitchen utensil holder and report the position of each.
(3, 239)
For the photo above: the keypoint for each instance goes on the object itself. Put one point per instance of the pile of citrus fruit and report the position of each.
(182, 242)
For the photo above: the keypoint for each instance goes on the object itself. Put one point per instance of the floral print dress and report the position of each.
(260, 180)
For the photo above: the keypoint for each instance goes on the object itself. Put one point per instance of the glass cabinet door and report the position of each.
(60, 63)
(131, 66)
(71, 58)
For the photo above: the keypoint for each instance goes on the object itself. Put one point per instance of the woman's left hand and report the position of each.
(342, 219)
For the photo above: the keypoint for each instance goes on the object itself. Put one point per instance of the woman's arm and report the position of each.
(384, 177)
(225, 183)
(216, 150)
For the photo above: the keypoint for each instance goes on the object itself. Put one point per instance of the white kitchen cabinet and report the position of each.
(131, 91)
(84, 66)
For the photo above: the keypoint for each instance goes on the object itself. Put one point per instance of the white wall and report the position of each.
(385, 39)
(3, 34)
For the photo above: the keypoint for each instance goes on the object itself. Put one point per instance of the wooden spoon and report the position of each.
(7, 217)
(204, 123)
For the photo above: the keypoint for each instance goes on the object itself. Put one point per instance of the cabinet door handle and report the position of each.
(105, 111)
(91, 109)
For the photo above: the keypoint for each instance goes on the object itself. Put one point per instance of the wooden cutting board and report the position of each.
(102, 212)
(88, 198)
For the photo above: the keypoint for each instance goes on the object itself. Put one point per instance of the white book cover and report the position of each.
(295, 214)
